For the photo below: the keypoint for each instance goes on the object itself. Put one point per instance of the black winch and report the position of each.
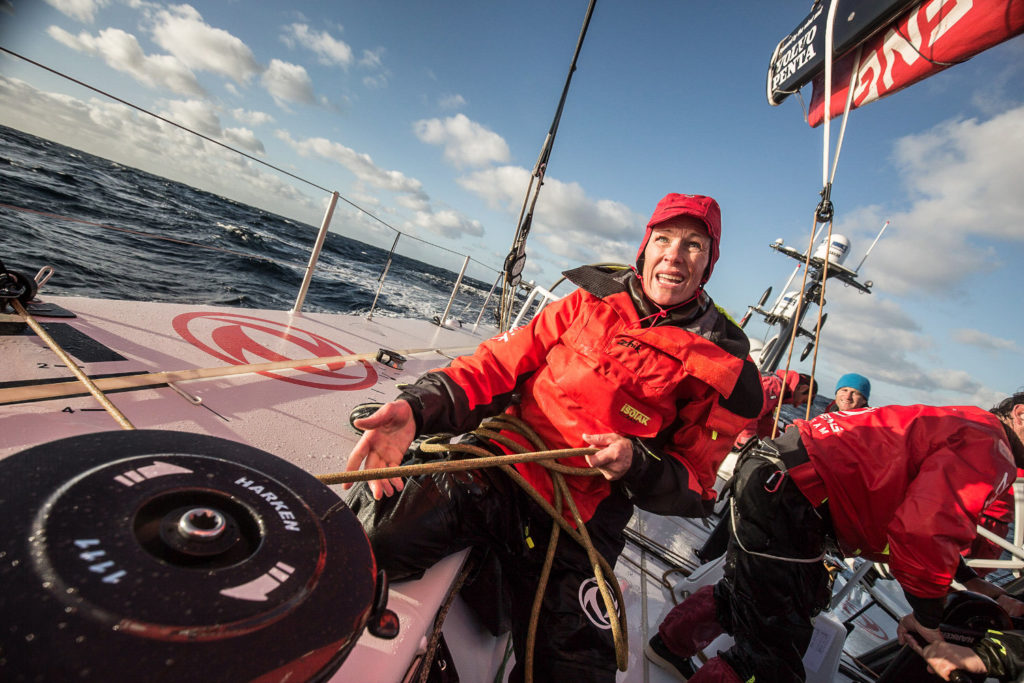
(157, 555)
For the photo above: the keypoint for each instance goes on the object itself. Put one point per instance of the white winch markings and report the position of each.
(258, 589)
(157, 469)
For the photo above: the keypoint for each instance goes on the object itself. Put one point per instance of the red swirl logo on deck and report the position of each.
(243, 339)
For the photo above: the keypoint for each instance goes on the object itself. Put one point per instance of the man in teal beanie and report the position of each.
(852, 392)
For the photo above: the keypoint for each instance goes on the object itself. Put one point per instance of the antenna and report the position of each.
(884, 226)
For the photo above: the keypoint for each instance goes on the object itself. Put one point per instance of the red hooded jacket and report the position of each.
(906, 484)
(587, 364)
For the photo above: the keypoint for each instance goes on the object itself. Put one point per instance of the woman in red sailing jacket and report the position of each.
(637, 363)
(899, 484)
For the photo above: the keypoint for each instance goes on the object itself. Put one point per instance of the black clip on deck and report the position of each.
(390, 359)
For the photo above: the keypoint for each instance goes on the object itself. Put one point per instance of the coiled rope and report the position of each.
(490, 430)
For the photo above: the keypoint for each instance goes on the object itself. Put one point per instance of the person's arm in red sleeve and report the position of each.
(456, 398)
(937, 519)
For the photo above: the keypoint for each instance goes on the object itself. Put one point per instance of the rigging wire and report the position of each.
(517, 254)
(824, 212)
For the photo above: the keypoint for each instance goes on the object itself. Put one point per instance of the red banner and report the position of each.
(929, 38)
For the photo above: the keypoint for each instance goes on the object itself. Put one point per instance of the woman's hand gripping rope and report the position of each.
(389, 432)
(611, 456)
(614, 456)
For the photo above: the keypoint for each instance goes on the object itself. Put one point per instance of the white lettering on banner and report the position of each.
(279, 506)
(895, 44)
(795, 56)
(874, 77)
(959, 11)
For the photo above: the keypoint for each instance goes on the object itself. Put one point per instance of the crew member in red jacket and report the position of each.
(637, 363)
(785, 386)
(898, 484)
(996, 518)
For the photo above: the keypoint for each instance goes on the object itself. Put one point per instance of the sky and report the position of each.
(429, 117)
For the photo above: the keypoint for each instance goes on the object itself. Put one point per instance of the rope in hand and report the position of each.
(490, 431)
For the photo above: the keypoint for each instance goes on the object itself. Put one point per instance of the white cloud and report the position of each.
(408, 191)
(252, 118)
(245, 139)
(328, 49)
(82, 10)
(876, 337)
(194, 114)
(375, 81)
(446, 223)
(183, 33)
(985, 341)
(465, 142)
(373, 61)
(122, 51)
(575, 227)
(361, 165)
(455, 101)
(113, 131)
(963, 178)
(288, 83)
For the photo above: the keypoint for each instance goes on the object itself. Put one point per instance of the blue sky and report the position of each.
(430, 115)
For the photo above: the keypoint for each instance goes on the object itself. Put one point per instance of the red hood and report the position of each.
(700, 207)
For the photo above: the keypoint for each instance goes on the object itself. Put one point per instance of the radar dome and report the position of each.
(837, 249)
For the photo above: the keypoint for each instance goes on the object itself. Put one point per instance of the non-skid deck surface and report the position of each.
(299, 415)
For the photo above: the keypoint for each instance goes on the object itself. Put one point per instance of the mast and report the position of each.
(516, 258)
(817, 273)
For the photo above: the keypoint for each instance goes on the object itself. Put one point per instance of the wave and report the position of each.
(124, 233)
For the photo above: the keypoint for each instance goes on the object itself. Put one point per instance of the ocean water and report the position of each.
(252, 259)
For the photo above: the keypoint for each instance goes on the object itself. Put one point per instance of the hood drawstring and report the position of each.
(662, 312)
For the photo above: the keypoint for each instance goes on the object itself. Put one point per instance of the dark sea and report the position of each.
(80, 214)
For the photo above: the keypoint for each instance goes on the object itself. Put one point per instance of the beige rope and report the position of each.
(796, 315)
(490, 429)
(449, 465)
(46, 391)
(73, 366)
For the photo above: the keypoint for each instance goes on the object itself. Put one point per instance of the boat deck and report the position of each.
(301, 415)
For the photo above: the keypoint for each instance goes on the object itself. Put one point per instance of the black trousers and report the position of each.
(764, 602)
(436, 515)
